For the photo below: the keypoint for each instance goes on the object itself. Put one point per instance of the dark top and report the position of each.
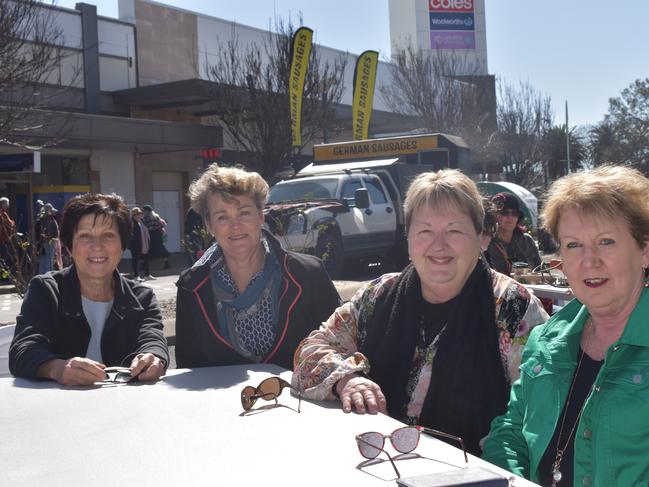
(307, 297)
(522, 248)
(51, 324)
(434, 318)
(193, 222)
(586, 378)
(49, 227)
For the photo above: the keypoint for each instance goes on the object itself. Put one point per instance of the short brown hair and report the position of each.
(227, 182)
(611, 191)
(448, 186)
(107, 205)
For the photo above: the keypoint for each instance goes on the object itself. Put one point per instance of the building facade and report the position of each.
(136, 112)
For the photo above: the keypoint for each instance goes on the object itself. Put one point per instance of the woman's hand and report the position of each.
(362, 393)
(77, 371)
(146, 366)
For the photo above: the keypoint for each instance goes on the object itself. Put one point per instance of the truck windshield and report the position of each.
(303, 190)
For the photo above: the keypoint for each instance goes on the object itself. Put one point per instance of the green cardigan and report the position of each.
(612, 438)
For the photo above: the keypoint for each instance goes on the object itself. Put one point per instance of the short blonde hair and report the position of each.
(443, 188)
(227, 182)
(610, 191)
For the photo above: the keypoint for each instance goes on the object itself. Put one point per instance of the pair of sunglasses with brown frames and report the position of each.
(267, 390)
(404, 440)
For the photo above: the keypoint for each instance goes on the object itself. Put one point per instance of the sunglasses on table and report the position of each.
(404, 440)
(267, 390)
(118, 375)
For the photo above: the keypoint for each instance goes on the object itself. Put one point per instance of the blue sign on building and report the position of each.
(451, 21)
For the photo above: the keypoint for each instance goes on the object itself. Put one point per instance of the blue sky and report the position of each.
(583, 51)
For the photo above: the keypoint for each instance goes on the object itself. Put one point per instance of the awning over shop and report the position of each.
(85, 131)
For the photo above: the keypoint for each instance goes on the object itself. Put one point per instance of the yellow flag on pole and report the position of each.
(364, 80)
(300, 52)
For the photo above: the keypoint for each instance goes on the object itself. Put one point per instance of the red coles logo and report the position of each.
(450, 5)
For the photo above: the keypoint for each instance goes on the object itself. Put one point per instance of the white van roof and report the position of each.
(313, 170)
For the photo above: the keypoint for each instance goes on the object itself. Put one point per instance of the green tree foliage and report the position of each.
(556, 156)
(623, 137)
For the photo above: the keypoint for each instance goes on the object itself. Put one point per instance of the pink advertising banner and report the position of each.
(456, 39)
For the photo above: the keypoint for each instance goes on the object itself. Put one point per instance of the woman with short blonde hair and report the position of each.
(246, 300)
(577, 416)
(227, 182)
(437, 344)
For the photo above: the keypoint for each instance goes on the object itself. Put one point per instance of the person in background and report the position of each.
(489, 226)
(157, 231)
(75, 322)
(511, 243)
(246, 300)
(50, 252)
(7, 231)
(139, 247)
(546, 243)
(578, 414)
(437, 344)
(194, 236)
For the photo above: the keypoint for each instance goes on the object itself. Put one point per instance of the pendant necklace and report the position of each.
(556, 473)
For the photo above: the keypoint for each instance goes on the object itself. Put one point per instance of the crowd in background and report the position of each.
(45, 253)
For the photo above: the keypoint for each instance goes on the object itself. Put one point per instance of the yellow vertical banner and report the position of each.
(364, 80)
(300, 52)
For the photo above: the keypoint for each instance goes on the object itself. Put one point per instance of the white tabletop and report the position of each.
(187, 430)
(560, 294)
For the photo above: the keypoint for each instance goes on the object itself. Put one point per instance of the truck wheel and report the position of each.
(330, 250)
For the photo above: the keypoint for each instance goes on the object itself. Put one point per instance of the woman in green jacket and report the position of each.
(578, 414)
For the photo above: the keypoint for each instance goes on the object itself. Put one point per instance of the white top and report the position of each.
(96, 313)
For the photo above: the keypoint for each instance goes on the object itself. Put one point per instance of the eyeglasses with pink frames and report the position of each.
(404, 440)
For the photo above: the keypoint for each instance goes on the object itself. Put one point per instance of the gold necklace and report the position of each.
(556, 473)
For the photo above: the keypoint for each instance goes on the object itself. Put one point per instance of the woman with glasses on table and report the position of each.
(437, 344)
(511, 244)
(246, 300)
(578, 414)
(75, 322)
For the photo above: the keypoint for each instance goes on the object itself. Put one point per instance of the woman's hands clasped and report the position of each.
(362, 394)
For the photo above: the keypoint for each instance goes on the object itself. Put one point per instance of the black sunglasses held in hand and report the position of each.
(118, 375)
(269, 389)
(404, 440)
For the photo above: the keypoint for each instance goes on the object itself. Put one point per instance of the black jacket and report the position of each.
(307, 298)
(51, 324)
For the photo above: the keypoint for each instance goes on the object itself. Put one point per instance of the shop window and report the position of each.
(63, 170)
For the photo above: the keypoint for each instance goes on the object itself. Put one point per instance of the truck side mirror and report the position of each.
(362, 198)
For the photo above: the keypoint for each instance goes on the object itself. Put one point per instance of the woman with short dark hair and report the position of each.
(75, 322)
